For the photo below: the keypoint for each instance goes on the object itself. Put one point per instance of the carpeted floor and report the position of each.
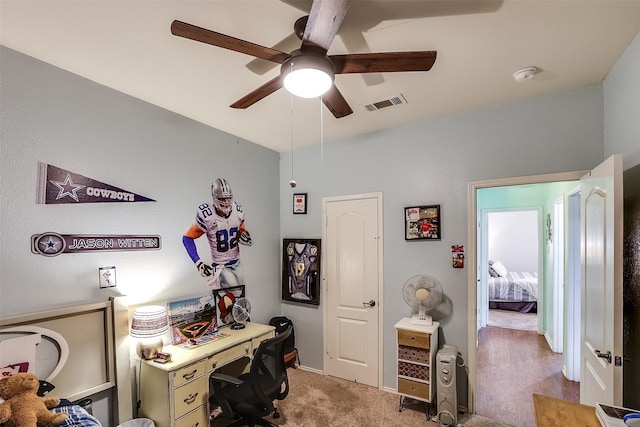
(513, 320)
(317, 400)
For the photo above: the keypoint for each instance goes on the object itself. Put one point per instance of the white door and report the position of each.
(352, 235)
(601, 224)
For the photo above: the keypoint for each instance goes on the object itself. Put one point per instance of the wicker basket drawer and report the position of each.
(414, 354)
(414, 371)
(413, 388)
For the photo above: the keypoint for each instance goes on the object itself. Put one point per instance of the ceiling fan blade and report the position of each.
(336, 103)
(324, 21)
(386, 62)
(182, 29)
(288, 44)
(256, 95)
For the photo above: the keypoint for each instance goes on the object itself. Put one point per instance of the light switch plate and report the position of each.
(107, 277)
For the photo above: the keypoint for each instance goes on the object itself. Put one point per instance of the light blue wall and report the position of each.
(56, 117)
(622, 107)
(431, 163)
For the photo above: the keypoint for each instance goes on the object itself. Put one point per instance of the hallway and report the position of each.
(513, 364)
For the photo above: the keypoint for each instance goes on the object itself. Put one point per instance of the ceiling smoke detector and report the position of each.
(524, 74)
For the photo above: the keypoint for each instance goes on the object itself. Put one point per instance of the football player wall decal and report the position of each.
(223, 224)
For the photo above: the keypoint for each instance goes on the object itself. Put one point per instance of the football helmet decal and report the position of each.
(222, 195)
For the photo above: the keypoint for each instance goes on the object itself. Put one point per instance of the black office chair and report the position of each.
(250, 397)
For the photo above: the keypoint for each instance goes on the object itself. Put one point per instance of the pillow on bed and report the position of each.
(492, 272)
(500, 269)
(9, 370)
(19, 350)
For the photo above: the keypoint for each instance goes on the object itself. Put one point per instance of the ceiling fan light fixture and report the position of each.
(307, 76)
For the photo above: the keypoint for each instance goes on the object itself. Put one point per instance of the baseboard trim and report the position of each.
(306, 368)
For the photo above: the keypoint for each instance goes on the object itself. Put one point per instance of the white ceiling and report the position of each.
(127, 46)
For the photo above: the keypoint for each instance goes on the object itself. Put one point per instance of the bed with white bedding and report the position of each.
(510, 290)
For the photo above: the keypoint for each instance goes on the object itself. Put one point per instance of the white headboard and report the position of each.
(90, 357)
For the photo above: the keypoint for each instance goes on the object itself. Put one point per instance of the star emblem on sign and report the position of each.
(67, 188)
(50, 244)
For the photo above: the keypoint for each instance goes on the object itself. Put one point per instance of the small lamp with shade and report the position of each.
(148, 324)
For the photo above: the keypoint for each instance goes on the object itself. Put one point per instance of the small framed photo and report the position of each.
(422, 223)
(300, 203)
(107, 276)
(301, 270)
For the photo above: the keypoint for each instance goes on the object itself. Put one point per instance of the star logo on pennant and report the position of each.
(67, 188)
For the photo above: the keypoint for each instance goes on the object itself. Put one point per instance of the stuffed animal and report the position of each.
(23, 407)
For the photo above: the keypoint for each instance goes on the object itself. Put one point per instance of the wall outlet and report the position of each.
(107, 277)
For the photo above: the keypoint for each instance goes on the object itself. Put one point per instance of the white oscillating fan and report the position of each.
(422, 293)
(240, 312)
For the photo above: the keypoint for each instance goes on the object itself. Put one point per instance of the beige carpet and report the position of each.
(513, 320)
(322, 401)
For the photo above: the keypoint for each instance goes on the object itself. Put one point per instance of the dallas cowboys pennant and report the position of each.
(58, 186)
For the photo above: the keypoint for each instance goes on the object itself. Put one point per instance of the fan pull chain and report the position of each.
(292, 182)
(321, 147)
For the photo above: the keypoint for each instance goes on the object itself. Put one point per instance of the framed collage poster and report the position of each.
(422, 223)
(301, 270)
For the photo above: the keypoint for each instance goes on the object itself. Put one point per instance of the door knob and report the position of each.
(371, 303)
(606, 355)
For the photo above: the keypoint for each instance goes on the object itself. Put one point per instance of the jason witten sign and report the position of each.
(52, 244)
(58, 186)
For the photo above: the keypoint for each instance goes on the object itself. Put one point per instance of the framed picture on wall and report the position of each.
(422, 223)
(225, 298)
(300, 203)
(301, 270)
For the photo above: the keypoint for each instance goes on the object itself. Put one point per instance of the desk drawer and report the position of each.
(190, 396)
(413, 339)
(224, 357)
(188, 373)
(195, 419)
(256, 341)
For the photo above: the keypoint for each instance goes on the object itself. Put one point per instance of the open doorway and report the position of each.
(543, 200)
(511, 255)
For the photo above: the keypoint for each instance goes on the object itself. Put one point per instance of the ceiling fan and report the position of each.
(320, 27)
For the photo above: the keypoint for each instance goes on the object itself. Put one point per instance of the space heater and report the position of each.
(446, 391)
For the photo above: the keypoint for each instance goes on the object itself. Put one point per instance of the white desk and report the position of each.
(176, 394)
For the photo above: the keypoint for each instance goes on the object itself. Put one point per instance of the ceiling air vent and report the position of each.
(389, 102)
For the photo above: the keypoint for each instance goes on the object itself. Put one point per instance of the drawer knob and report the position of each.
(214, 364)
(191, 398)
(190, 375)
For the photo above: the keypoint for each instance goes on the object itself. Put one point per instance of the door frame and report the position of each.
(472, 239)
(380, 300)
